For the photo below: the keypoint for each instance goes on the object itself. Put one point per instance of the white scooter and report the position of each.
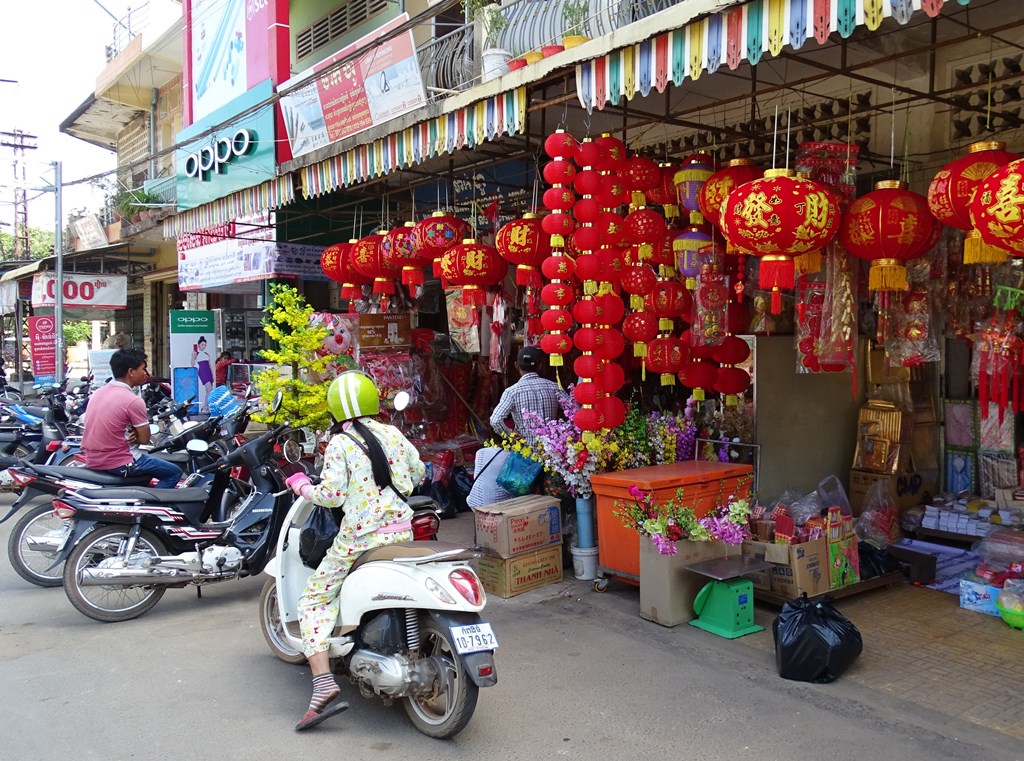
(410, 626)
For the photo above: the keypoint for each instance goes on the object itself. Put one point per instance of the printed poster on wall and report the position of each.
(341, 100)
(42, 337)
(99, 366)
(194, 351)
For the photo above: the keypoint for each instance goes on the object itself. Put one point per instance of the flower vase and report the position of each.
(667, 589)
(585, 522)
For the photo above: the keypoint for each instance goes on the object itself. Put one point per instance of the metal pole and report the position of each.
(19, 316)
(58, 251)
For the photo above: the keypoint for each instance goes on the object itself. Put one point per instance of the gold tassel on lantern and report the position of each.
(636, 303)
(977, 251)
(668, 379)
(887, 275)
(698, 394)
(639, 349)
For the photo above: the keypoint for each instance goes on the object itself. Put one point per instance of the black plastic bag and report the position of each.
(441, 495)
(317, 534)
(814, 642)
(875, 562)
(462, 485)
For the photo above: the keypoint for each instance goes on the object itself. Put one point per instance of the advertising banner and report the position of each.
(341, 100)
(193, 354)
(242, 252)
(99, 366)
(42, 338)
(90, 232)
(81, 290)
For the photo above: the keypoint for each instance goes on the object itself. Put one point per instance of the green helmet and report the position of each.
(352, 395)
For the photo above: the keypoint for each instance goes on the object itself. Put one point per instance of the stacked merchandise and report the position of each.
(522, 539)
(970, 518)
(1002, 562)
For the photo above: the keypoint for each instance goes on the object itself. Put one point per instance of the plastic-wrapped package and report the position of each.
(807, 507)
(832, 494)
(879, 523)
(1003, 548)
(912, 341)
(837, 335)
(1012, 596)
(710, 302)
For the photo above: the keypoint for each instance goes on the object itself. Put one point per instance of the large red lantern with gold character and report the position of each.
(367, 258)
(666, 356)
(998, 209)
(778, 217)
(522, 242)
(719, 185)
(887, 227)
(435, 234)
(399, 249)
(473, 266)
(335, 262)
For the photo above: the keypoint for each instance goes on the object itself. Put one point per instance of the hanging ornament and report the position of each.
(641, 328)
(951, 191)
(719, 185)
(689, 247)
(645, 228)
(613, 410)
(367, 258)
(638, 280)
(699, 375)
(399, 248)
(641, 175)
(333, 262)
(710, 307)
(473, 266)
(611, 154)
(434, 235)
(664, 193)
(689, 180)
(665, 355)
(997, 210)
(731, 381)
(776, 218)
(887, 227)
(522, 242)
(611, 377)
(668, 300)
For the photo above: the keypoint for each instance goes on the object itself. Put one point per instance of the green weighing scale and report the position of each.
(725, 606)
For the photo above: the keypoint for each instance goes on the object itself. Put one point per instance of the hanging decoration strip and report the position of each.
(503, 114)
(271, 194)
(729, 37)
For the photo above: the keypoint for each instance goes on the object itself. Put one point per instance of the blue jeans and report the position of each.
(167, 472)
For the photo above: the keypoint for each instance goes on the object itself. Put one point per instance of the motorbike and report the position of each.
(410, 625)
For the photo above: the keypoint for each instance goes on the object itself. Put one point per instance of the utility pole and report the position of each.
(17, 140)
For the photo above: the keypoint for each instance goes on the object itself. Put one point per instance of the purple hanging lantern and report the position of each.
(689, 179)
(689, 247)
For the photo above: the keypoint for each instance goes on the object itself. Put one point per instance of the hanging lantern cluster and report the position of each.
(559, 173)
(953, 188)
(434, 235)
(399, 249)
(334, 261)
(367, 258)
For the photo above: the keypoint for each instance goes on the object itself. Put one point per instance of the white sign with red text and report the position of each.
(81, 290)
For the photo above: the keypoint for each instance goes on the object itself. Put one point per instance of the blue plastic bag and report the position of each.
(518, 474)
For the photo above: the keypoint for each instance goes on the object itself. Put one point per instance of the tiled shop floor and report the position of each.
(919, 646)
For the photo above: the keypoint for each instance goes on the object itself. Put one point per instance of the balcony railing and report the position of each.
(126, 28)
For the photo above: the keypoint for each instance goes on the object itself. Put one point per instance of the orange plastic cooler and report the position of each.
(705, 485)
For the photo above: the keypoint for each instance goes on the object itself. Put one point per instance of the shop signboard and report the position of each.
(81, 290)
(42, 337)
(241, 252)
(221, 154)
(384, 331)
(509, 185)
(193, 352)
(333, 100)
(99, 366)
(90, 232)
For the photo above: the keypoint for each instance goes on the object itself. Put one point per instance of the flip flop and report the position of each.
(313, 718)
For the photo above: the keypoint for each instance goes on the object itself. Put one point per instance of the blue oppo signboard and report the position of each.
(233, 157)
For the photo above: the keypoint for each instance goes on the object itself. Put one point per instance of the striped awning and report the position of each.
(742, 33)
(271, 194)
(502, 114)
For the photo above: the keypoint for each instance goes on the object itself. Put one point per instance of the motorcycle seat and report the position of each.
(33, 409)
(178, 457)
(8, 437)
(166, 496)
(403, 550)
(92, 476)
(420, 502)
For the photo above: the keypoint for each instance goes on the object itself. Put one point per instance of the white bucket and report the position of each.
(495, 63)
(584, 562)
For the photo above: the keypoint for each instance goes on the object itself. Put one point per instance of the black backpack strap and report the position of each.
(378, 459)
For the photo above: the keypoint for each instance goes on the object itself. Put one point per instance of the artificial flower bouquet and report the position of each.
(671, 521)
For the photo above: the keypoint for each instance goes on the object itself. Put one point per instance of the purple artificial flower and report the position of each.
(665, 546)
(635, 493)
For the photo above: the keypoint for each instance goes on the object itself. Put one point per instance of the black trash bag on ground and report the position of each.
(814, 642)
(317, 534)
(875, 562)
(462, 484)
(441, 494)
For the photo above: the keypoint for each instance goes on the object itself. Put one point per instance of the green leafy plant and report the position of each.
(575, 13)
(287, 321)
(492, 21)
(132, 202)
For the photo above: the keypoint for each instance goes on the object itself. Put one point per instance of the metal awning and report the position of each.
(118, 251)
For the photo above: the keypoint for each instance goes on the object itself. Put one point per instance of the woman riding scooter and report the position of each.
(368, 467)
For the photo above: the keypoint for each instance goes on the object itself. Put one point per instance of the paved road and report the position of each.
(579, 677)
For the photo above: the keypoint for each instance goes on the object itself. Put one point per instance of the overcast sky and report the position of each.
(55, 50)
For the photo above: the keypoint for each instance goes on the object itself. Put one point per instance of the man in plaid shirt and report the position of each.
(532, 393)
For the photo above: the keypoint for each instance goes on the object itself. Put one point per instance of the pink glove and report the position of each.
(300, 484)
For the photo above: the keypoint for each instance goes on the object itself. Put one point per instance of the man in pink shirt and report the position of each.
(116, 418)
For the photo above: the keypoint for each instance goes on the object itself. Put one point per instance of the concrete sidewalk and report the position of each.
(954, 671)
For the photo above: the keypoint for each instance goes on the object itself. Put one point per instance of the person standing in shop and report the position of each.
(530, 393)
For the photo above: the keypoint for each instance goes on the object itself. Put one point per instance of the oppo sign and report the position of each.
(215, 157)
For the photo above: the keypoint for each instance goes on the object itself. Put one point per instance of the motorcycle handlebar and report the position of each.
(235, 457)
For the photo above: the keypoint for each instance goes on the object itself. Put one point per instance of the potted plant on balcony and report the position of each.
(136, 204)
(575, 13)
(487, 14)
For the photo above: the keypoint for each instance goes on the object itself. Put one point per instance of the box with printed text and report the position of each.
(519, 525)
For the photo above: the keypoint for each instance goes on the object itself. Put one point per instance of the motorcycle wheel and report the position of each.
(447, 710)
(114, 602)
(70, 461)
(31, 564)
(273, 626)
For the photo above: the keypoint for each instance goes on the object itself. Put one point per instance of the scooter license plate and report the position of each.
(473, 638)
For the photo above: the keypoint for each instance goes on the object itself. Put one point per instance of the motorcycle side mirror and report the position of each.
(275, 404)
(402, 400)
(197, 446)
(292, 451)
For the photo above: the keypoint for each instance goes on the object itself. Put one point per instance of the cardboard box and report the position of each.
(762, 579)
(519, 525)
(843, 563)
(980, 598)
(907, 490)
(796, 568)
(920, 565)
(508, 577)
(667, 589)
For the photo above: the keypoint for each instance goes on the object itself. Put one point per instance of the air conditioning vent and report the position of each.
(336, 24)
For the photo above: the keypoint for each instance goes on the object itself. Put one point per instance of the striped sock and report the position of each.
(325, 689)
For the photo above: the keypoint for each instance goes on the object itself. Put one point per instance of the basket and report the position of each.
(1013, 619)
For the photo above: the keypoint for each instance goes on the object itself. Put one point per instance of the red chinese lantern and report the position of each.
(668, 300)
(588, 267)
(587, 366)
(612, 345)
(367, 258)
(558, 226)
(586, 238)
(778, 217)
(638, 280)
(558, 268)
(689, 180)
(612, 192)
(611, 153)
(610, 377)
(698, 375)
(697, 350)
(610, 309)
(641, 328)
(614, 261)
(434, 235)
(588, 420)
(560, 145)
(333, 262)
(611, 228)
(556, 345)
(587, 153)
(645, 227)
(587, 211)
(351, 281)
(664, 193)
(951, 191)
(887, 227)
(665, 356)
(997, 210)
(522, 242)
(559, 198)
(641, 175)
(556, 320)
(613, 410)
(557, 294)
(473, 266)
(719, 185)
(559, 173)
(731, 381)
(587, 392)
(399, 248)
(731, 351)
(587, 182)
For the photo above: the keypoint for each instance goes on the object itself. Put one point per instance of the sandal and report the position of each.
(313, 718)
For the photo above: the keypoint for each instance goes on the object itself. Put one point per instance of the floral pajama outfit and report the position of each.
(347, 481)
